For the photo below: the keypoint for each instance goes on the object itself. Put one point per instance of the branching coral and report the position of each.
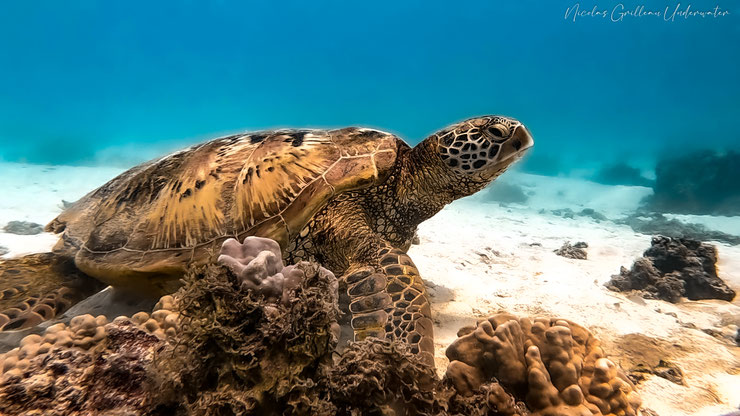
(557, 366)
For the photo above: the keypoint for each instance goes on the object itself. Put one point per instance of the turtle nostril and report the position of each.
(517, 144)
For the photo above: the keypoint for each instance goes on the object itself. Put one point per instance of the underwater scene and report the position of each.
(370, 208)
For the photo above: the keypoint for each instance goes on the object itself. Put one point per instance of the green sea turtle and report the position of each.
(349, 198)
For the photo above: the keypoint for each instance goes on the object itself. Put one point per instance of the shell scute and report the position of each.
(267, 183)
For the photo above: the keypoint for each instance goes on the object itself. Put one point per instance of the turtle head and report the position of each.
(478, 150)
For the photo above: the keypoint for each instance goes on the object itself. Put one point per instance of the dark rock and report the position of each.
(621, 174)
(654, 223)
(591, 213)
(506, 192)
(23, 228)
(674, 268)
(415, 241)
(702, 182)
(573, 251)
(3, 251)
(564, 212)
(664, 369)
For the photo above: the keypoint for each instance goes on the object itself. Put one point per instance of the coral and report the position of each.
(557, 367)
(702, 182)
(250, 336)
(237, 351)
(621, 174)
(576, 251)
(23, 228)
(657, 224)
(90, 366)
(258, 264)
(673, 268)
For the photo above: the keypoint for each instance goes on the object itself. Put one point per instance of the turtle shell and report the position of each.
(144, 227)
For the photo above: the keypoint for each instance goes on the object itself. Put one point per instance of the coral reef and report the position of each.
(506, 193)
(555, 366)
(23, 228)
(90, 366)
(576, 251)
(250, 336)
(621, 174)
(673, 268)
(702, 182)
(654, 223)
(239, 353)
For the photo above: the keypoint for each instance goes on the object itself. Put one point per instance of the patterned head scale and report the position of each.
(483, 145)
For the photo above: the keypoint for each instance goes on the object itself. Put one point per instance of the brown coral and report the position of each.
(556, 366)
(90, 366)
(260, 338)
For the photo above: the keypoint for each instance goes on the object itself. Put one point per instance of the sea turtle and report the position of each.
(348, 198)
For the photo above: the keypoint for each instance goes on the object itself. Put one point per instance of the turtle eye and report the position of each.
(498, 130)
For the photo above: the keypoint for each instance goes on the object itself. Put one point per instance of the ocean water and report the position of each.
(117, 83)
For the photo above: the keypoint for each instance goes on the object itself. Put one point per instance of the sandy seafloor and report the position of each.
(478, 258)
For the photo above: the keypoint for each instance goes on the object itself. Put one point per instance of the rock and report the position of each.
(23, 228)
(621, 174)
(591, 213)
(573, 251)
(664, 369)
(702, 182)
(564, 212)
(657, 224)
(673, 268)
(4, 250)
(415, 241)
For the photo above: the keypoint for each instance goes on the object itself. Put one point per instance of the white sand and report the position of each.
(478, 259)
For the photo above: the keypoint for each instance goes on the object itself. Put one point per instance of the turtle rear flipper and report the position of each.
(38, 287)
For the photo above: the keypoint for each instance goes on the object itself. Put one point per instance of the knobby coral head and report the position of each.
(556, 366)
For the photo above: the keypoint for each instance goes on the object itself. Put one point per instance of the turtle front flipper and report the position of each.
(388, 300)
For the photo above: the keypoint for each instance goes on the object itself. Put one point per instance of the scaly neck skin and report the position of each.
(421, 186)
(424, 185)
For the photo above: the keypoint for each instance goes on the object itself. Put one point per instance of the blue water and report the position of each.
(87, 82)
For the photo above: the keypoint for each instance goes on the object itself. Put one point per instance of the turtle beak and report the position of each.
(517, 145)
